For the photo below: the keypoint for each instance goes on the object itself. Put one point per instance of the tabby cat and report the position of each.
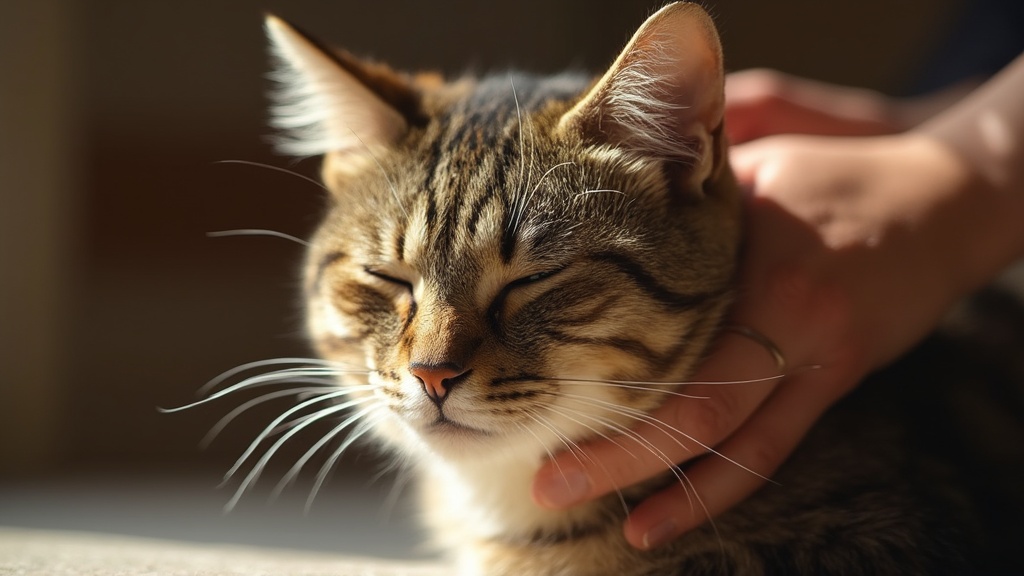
(504, 255)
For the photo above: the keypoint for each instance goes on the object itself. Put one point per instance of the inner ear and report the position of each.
(663, 96)
(399, 90)
(332, 102)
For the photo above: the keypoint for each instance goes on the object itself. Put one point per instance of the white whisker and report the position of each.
(514, 223)
(297, 467)
(529, 175)
(257, 468)
(667, 429)
(570, 446)
(276, 169)
(671, 466)
(544, 423)
(230, 416)
(284, 416)
(526, 199)
(356, 434)
(682, 383)
(614, 384)
(264, 380)
(264, 363)
(391, 184)
(561, 412)
(257, 232)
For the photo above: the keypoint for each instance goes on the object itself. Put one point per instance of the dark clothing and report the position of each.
(984, 37)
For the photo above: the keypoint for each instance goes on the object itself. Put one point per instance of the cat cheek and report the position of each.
(406, 308)
(335, 324)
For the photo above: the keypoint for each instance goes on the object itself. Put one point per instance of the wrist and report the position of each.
(973, 222)
(985, 133)
(908, 113)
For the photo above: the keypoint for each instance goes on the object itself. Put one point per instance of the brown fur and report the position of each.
(535, 241)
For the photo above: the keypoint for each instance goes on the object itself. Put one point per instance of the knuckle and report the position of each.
(622, 469)
(766, 81)
(765, 457)
(709, 420)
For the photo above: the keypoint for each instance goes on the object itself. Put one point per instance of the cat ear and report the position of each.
(329, 103)
(663, 96)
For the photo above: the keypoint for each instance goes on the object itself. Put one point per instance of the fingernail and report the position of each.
(660, 534)
(563, 488)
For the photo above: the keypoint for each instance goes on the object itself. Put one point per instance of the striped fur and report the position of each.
(507, 237)
(501, 253)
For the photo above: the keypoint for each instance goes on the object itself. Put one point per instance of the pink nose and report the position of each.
(436, 379)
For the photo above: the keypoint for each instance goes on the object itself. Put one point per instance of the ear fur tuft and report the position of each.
(319, 105)
(663, 96)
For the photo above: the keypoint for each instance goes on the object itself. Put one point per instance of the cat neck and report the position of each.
(490, 500)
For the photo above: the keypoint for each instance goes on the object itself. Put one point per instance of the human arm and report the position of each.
(762, 102)
(855, 248)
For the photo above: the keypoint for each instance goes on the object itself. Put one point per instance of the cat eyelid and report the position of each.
(388, 278)
(536, 277)
(496, 307)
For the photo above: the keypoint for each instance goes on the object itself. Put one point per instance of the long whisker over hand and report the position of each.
(679, 383)
(665, 428)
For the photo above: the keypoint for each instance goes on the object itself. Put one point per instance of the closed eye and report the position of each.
(533, 278)
(389, 279)
(495, 310)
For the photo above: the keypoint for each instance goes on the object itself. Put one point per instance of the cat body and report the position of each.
(522, 263)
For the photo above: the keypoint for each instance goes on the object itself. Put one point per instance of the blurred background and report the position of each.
(113, 299)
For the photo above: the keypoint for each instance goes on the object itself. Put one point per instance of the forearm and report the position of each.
(985, 131)
(762, 102)
(908, 113)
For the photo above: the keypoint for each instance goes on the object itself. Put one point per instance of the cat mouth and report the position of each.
(447, 427)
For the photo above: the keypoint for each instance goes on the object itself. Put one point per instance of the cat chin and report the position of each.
(422, 436)
(452, 440)
(459, 444)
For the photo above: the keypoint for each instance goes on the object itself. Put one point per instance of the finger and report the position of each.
(743, 123)
(752, 99)
(678, 431)
(715, 484)
(745, 160)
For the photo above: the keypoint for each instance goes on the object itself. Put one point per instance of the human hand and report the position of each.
(850, 259)
(762, 102)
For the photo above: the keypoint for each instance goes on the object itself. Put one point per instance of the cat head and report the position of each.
(509, 255)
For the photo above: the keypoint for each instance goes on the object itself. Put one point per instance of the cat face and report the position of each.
(518, 262)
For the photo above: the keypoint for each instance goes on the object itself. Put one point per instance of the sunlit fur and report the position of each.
(564, 249)
(426, 256)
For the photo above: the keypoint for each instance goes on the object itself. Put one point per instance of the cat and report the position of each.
(502, 253)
